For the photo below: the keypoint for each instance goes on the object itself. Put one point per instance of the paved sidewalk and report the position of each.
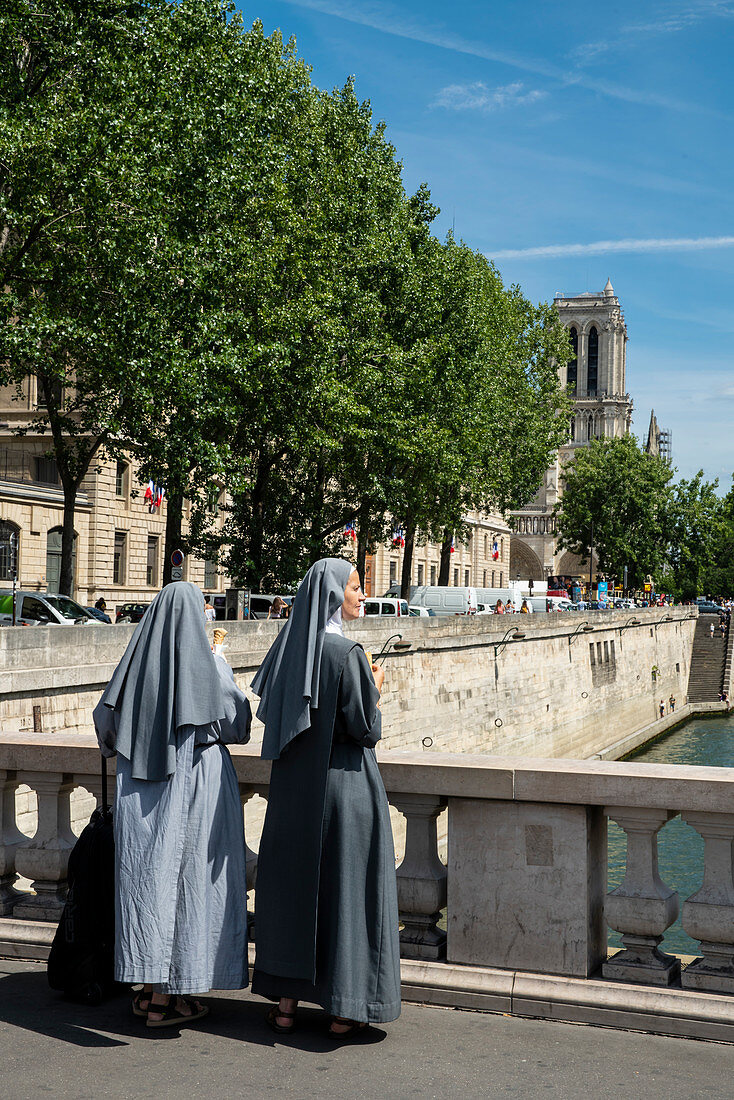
(51, 1048)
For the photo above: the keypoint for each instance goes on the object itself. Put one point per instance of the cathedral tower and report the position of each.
(602, 410)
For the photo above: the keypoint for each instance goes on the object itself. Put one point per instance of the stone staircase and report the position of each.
(706, 677)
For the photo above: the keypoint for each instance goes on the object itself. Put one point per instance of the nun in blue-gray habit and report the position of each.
(326, 913)
(168, 713)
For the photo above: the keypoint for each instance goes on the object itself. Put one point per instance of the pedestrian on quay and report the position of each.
(209, 612)
(499, 608)
(180, 910)
(277, 609)
(711, 630)
(662, 709)
(326, 908)
(671, 703)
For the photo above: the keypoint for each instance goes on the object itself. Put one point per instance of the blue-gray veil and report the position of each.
(288, 679)
(167, 678)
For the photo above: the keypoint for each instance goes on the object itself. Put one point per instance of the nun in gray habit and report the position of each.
(168, 711)
(326, 914)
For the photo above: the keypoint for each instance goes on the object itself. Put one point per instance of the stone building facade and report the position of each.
(472, 563)
(119, 539)
(602, 410)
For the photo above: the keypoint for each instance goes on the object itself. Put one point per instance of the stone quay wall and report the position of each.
(571, 687)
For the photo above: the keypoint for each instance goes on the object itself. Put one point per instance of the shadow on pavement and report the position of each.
(27, 1002)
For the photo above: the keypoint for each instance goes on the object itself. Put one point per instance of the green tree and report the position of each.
(696, 533)
(625, 494)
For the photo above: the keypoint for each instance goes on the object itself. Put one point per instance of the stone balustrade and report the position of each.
(524, 887)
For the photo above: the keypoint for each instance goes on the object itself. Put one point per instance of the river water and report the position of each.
(707, 741)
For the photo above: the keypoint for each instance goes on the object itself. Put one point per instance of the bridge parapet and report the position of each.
(523, 889)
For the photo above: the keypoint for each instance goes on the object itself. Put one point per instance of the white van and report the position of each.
(386, 605)
(444, 600)
(41, 609)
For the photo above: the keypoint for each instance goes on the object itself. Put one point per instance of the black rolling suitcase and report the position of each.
(81, 960)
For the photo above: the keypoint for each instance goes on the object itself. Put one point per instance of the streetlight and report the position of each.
(584, 628)
(517, 635)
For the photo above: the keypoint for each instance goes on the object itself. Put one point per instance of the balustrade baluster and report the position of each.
(10, 838)
(246, 793)
(708, 915)
(421, 878)
(44, 858)
(642, 907)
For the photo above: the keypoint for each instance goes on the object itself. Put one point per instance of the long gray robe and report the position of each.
(326, 914)
(181, 915)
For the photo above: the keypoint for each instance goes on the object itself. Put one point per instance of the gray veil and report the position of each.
(288, 679)
(167, 678)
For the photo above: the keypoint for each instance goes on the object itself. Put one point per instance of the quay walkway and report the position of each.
(51, 1048)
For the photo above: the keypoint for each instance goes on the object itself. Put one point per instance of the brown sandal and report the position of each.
(137, 1005)
(271, 1021)
(350, 1032)
(171, 1015)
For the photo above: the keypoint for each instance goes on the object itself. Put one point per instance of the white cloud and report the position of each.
(387, 19)
(480, 97)
(670, 21)
(601, 248)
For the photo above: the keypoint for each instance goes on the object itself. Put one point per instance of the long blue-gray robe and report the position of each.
(181, 915)
(326, 914)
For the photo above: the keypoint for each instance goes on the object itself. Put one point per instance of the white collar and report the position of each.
(334, 625)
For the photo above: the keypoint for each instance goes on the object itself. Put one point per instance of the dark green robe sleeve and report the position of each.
(358, 716)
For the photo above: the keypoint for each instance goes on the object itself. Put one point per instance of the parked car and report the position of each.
(421, 612)
(131, 612)
(41, 609)
(707, 607)
(100, 616)
(445, 599)
(386, 605)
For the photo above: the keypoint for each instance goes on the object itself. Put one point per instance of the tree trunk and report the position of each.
(363, 538)
(173, 540)
(443, 573)
(407, 560)
(66, 577)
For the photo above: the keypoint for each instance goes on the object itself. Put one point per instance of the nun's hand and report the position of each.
(379, 675)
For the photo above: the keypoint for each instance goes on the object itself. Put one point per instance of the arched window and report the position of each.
(53, 559)
(573, 365)
(9, 548)
(593, 361)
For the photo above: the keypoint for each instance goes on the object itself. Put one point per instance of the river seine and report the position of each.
(680, 848)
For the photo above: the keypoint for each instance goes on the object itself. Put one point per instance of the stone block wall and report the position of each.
(459, 688)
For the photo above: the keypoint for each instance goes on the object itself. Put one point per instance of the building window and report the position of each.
(53, 559)
(433, 574)
(500, 578)
(593, 361)
(484, 579)
(492, 584)
(210, 573)
(212, 501)
(485, 546)
(572, 432)
(466, 578)
(573, 366)
(119, 557)
(420, 574)
(121, 479)
(9, 547)
(456, 578)
(393, 571)
(151, 573)
(46, 471)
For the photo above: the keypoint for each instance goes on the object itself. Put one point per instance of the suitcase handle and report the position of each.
(106, 809)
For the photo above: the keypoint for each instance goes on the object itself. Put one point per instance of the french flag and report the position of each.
(495, 550)
(149, 493)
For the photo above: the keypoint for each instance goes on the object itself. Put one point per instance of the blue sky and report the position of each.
(570, 142)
